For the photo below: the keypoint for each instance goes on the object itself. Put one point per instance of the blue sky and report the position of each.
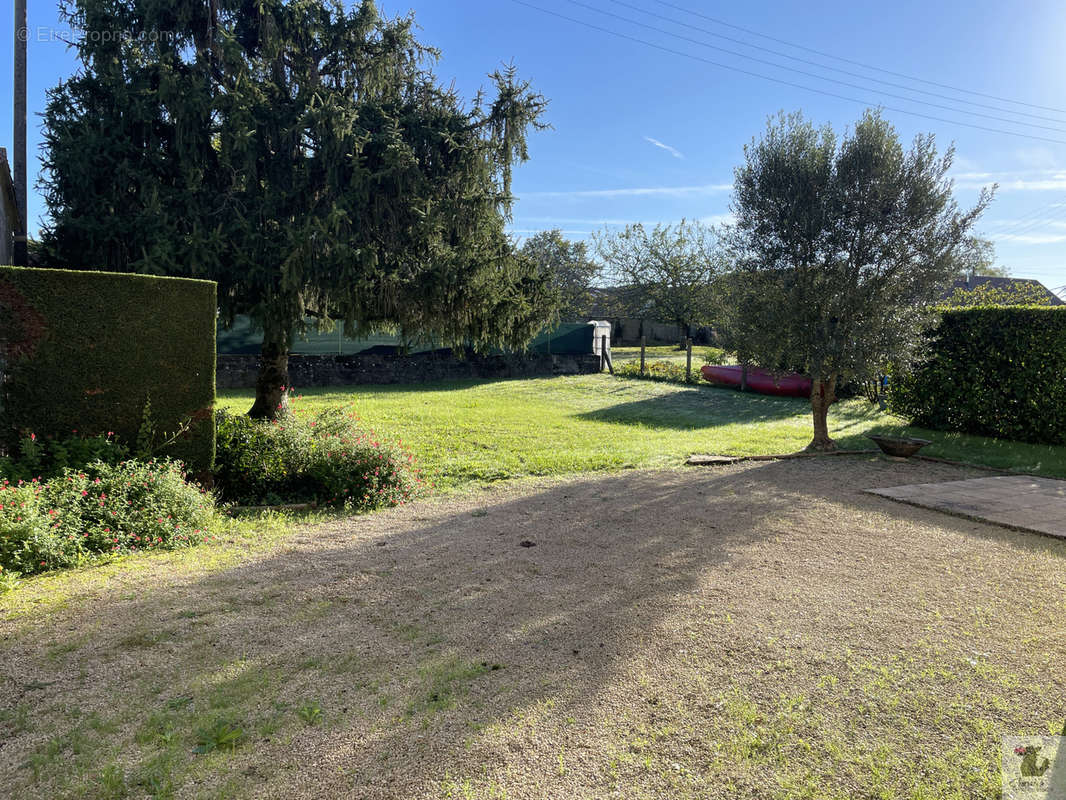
(643, 132)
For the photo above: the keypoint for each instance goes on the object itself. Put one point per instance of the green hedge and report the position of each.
(83, 351)
(993, 371)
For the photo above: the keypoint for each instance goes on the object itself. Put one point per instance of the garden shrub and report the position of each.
(715, 355)
(663, 371)
(101, 509)
(991, 371)
(46, 457)
(326, 458)
(84, 352)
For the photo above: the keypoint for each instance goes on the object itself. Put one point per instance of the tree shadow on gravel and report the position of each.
(417, 629)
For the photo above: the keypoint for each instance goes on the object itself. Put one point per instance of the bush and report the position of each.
(992, 371)
(715, 355)
(85, 351)
(101, 509)
(48, 457)
(324, 459)
(662, 371)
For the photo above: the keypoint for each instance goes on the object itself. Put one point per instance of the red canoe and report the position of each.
(759, 380)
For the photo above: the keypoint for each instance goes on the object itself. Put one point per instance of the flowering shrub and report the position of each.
(326, 458)
(100, 509)
(46, 457)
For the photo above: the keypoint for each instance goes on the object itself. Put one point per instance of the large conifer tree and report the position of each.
(302, 155)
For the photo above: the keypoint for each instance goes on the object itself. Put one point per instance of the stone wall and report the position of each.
(239, 371)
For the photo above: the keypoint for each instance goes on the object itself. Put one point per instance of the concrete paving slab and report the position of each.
(1030, 504)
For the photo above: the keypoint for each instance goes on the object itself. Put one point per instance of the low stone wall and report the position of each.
(239, 372)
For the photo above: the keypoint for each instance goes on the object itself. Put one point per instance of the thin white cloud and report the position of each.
(1013, 181)
(1038, 157)
(1031, 238)
(572, 221)
(650, 191)
(523, 232)
(966, 164)
(718, 219)
(1048, 222)
(671, 150)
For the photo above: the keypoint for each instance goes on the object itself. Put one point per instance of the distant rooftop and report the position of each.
(995, 282)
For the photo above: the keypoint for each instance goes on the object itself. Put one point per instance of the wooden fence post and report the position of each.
(688, 363)
(643, 344)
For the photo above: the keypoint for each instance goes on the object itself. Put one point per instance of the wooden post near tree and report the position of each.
(643, 346)
(605, 354)
(688, 361)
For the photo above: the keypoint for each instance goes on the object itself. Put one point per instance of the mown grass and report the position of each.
(477, 431)
(41, 595)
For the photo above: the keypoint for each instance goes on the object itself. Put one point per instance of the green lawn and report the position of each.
(470, 431)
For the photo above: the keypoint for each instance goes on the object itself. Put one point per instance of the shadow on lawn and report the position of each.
(426, 387)
(701, 407)
(395, 622)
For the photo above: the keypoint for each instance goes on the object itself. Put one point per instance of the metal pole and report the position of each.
(19, 154)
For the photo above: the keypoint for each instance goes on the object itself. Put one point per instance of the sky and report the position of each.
(652, 101)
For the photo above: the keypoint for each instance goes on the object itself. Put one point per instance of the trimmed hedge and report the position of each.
(85, 351)
(994, 371)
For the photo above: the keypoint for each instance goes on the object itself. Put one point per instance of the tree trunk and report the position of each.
(823, 395)
(272, 383)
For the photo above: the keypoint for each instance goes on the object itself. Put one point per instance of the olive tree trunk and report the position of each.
(823, 395)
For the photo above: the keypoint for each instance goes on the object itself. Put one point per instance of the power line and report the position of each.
(782, 81)
(1035, 225)
(816, 76)
(820, 65)
(1027, 217)
(856, 63)
(1037, 216)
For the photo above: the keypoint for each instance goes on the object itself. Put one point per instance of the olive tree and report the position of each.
(840, 247)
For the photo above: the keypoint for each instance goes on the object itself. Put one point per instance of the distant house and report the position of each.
(1028, 286)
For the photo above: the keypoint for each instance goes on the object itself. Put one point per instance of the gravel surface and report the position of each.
(753, 630)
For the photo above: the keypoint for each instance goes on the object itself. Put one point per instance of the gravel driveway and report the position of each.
(757, 630)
